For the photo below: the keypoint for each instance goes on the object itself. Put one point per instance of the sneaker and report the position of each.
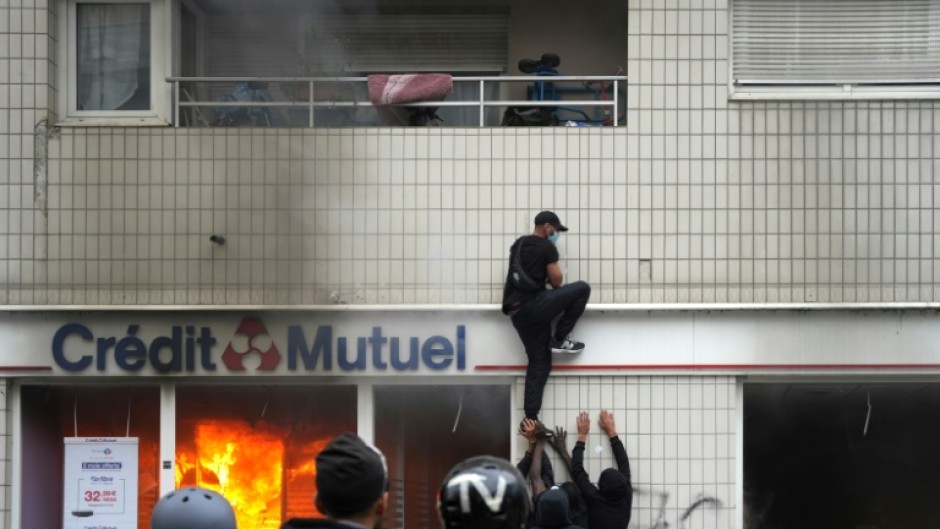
(567, 346)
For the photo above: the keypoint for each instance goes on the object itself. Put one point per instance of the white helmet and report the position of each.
(193, 508)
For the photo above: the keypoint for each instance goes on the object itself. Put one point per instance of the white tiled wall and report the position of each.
(697, 199)
(27, 95)
(679, 435)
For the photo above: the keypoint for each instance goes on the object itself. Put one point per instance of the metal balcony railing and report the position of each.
(602, 92)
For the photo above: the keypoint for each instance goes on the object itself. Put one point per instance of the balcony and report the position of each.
(550, 100)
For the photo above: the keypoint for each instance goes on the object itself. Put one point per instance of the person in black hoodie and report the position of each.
(576, 509)
(352, 486)
(610, 502)
(551, 511)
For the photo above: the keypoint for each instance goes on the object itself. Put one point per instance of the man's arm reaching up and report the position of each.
(538, 485)
(560, 445)
(616, 445)
(527, 430)
(578, 474)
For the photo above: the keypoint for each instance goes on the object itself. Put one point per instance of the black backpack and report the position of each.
(520, 279)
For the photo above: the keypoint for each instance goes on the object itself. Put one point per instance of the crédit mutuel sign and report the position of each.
(185, 349)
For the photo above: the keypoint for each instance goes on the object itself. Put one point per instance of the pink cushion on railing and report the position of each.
(409, 88)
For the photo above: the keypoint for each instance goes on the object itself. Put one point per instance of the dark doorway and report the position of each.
(424, 431)
(817, 456)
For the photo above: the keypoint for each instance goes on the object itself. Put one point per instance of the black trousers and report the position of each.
(533, 322)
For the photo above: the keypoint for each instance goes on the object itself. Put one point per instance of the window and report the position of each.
(423, 431)
(840, 455)
(257, 445)
(836, 48)
(114, 55)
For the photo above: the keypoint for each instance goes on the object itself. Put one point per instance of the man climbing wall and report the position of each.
(533, 265)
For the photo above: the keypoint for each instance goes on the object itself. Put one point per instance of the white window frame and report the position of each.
(201, 39)
(809, 92)
(160, 93)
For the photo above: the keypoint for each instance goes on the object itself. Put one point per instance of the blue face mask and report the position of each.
(553, 238)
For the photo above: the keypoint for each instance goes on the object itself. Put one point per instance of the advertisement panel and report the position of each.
(100, 483)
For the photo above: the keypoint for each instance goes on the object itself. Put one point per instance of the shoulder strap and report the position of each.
(519, 276)
(517, 260)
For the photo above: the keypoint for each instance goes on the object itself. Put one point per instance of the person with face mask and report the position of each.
(533, 266)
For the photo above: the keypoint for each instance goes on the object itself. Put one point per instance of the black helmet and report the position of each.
(483, 492)
(193, 508)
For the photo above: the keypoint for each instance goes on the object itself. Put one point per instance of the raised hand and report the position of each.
(561, 446)
(561, 439)
(606, 422)
(528, 429)
(584, 425)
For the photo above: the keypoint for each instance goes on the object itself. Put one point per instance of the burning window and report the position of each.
(256, 445)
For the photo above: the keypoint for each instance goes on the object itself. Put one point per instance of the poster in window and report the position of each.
(100, 482)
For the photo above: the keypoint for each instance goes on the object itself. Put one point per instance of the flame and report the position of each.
(301, 476)
(308, 468)
(242, 463)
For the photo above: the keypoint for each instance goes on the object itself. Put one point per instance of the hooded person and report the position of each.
(552, 511)
(610, 502)
(576, 511)
(352, 486)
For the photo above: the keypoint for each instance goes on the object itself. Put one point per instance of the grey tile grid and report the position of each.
(7, 114)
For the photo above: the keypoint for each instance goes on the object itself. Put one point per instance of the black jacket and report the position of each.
(608, 506)
(551, 511)
(319, 523)
(548, 473)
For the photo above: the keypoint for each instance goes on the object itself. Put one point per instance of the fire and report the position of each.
(247, 465)
(242, 463)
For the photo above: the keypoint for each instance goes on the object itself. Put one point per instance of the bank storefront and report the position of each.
(109, 409)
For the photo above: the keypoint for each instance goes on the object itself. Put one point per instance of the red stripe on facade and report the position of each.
(712, 367)
(25, 368)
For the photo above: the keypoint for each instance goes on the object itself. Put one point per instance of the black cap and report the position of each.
(551, 218)
(351, 475)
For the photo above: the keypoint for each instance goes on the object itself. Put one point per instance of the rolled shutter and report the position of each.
(407, 42)
(253, 45)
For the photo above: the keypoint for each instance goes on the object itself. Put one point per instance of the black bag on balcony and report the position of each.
(529, 117)
(424, 117)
